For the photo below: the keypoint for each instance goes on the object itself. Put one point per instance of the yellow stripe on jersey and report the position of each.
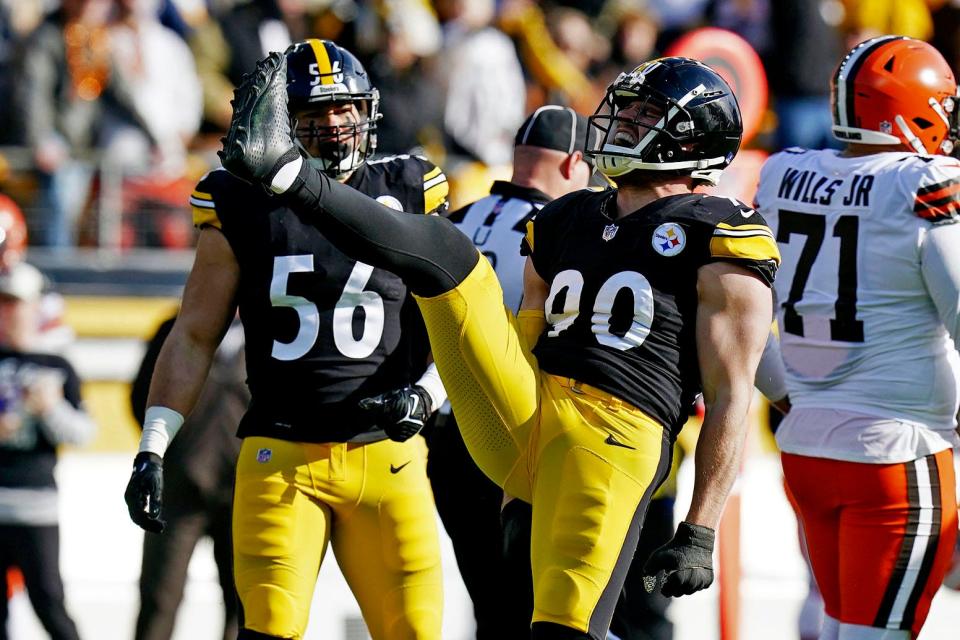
(759, 246)
(433, 173)
(435, 195)
(323, 61)
(205, 216)
(529, 235)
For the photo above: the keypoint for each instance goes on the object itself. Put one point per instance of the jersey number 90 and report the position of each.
(602, 321)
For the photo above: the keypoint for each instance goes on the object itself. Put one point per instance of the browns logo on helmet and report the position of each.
(895, 90)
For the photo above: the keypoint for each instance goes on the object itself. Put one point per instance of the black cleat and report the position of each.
(259, 142)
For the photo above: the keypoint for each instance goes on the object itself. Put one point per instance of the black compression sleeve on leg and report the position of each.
(430, 254)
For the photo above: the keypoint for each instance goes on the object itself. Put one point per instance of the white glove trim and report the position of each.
(431, 383)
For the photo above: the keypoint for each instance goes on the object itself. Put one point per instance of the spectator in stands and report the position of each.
(485, 92)
(747, 18)
(228, 45)
(198, 487)
(63, 75)
(39, 410)
(157, 71)
(807, 46)
(864, 19)
(632, 32)
(405, 71)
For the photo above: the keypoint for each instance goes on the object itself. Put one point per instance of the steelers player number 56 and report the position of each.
(352, 297)
(620, 333)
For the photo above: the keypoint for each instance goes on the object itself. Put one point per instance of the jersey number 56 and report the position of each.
(353, 296)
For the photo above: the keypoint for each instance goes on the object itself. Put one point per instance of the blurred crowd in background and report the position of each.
(111, 110)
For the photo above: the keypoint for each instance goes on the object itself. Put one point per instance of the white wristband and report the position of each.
(433, 385)
(285, 176)
(160, 426)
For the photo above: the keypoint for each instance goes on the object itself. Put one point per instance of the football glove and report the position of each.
(684, 565)
(401, 413)
(144, 494)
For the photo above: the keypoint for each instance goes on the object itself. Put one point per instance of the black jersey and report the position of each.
(621, 312)
(322, 330)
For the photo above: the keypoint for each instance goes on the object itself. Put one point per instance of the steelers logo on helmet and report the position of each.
(668, 115)
(669, 239)
(334, 107)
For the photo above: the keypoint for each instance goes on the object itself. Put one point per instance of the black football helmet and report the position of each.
(670, 114)
(320, 72)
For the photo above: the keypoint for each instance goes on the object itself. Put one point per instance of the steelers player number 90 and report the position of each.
(609, 331)
(352, 297)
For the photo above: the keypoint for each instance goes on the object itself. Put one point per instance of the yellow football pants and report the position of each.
(585, 460)
(372, 501)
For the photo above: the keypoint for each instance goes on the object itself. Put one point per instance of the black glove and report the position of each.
(144, 494)
(401, 413)
(684, 565)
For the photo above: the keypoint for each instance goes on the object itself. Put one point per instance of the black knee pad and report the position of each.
(249, 634)
(553, 631)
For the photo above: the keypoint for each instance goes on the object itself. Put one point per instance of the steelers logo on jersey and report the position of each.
(669, 239)
(390, 201)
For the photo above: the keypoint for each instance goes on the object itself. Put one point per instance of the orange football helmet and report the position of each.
(13, 233)
(895, 90)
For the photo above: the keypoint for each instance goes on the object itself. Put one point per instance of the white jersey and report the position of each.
(497, 224)
(865, 299)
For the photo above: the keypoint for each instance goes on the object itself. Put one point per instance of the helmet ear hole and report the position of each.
(923, 123)
(888, 67)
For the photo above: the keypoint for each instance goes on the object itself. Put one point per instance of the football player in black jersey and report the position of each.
(548, 162)
(337, 369)
(638, 298)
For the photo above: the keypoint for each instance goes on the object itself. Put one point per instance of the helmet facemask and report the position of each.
(336, 149)
(333, 106)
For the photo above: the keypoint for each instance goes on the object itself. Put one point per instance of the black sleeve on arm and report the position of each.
(141, 383)
(429, 253)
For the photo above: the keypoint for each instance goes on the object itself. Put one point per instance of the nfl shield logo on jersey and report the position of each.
(264, 455)
(669, 239)
(609, 232)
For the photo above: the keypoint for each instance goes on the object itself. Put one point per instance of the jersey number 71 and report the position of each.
(844, 327)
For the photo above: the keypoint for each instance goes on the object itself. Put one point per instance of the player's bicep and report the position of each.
(209, 297)
(733, 321)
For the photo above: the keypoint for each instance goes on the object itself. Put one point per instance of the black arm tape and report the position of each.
(429, 253)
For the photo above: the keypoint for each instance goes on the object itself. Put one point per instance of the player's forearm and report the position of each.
(717, 458)
(180, 372)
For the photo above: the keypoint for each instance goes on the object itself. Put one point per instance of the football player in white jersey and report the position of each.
(869, 297)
